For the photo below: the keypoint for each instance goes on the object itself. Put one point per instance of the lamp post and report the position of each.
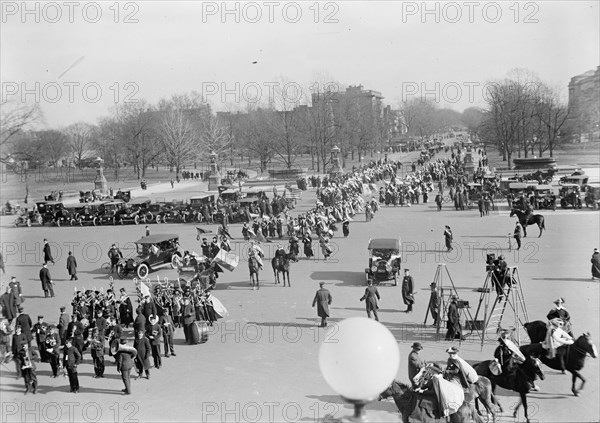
(336, 168)
(359, 362)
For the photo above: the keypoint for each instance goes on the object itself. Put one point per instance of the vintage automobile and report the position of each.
(592, 195)
(576, 179)
(108, 211)
(90, 215)
(68, 215)
(474, 192)
(123, 195)
(570, 196)
(384, 260)
(232, 195)
(28, 217)
(49, 210)
(197, 203)
(544, 197)
(134, 211)
(153, 253)
(521, 193)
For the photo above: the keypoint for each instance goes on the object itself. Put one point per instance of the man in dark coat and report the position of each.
(125, 362)
(454, 371)
(187, 316)
(75, 333)
(63, 322)
(370, 297)
(517, 235)
(148, 308)
(408, 290)
(434, 303)
(168, 331)
(140, 321)
(46, 281)
(595, 264)
(16, 291)
(71, 358)
(154, 334)
(96, 345)
(47, 253)
(144, 351)
(415, 363)
(448, 238)
(52, 346)
(125, 309)
(26, 324)
(322, 300)
(8, 304)
(40, 329)
(453, 322)
(72, 266)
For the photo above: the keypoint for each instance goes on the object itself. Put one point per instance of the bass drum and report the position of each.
(198, 333)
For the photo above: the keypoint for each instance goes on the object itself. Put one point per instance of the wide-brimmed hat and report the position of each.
(417, 346)
(560, 300)
(452, 350)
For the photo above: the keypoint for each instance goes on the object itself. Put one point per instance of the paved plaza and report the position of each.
(260, 362)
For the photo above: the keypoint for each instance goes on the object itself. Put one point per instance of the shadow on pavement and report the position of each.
(345, 278)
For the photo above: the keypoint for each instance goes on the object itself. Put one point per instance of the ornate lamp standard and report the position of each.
(100, 183)
(336, 169)
(359, 362)
(214, 178)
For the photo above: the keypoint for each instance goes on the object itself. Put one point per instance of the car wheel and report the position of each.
(72, 222)
(114, 220)
(39, 220)
(80, 221)
(95, 221)
(136, 219)
(121, 272)
(149, 217)
(165, 218)
(28, 223)
(396, 278)
(183, 218)
(158, 219)
(143, 270)
(57, 222)
(175, 261)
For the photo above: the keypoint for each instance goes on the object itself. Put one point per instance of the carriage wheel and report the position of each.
(143, 270)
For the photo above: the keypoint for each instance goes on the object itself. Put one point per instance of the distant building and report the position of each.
(584, 106)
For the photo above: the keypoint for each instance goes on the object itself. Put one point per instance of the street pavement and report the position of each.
(261, 362)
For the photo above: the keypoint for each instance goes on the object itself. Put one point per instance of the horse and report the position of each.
(521, 381)
(416, 407)
(481, 389)
(535, 219)
(574, 355)
(253, 266)
(281, 264)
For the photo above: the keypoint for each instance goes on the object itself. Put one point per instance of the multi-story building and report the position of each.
(584, 106)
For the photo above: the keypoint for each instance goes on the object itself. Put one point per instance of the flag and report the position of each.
(227, 260)
(144, 290)
(260, 237)
(218, 307)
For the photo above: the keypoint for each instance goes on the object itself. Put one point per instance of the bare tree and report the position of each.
(80, 137)
(15, 119)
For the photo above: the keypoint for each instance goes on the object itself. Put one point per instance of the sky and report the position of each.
(78, 59)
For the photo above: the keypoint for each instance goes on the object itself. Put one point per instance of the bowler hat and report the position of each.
(417, 346)
(560, 300)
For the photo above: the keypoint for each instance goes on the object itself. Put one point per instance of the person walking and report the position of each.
(40, 329)
(439, 199)
(147, 230)
(168, 331)
(63, 322)
(435, 303)
(72, 266)
(517, 235)
(46, 281)
(322, 300)
(154, 334)
(415, 363)
(24, 321)
(27, 369)
(595, 264)
(144, 352)
(96, 345)
(125, 362)
(448, 238)
(370, 297)
(453, 322)
(71, 358)
(47, 253)
(408, 290)
(52, 346)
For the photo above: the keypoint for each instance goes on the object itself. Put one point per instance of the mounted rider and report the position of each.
(507, 354)
(556, 337)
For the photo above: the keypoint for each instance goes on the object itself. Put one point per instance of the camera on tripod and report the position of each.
(490, 264)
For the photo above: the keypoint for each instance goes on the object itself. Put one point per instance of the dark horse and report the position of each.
(521, 381)
(574, 354)
(253, 267)
(281, 264)
(534, 219)
(416, 407)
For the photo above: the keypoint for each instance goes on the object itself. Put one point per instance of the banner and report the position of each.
(226, 260)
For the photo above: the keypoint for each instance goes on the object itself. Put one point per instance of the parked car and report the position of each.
(384, 260)
(570, 196)
(68, 215)
(134, 212)
(90, 214)
(28, 217)
(544, 197)
(108, 211)
(49, 210)
(592, 195)
(153, 253)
